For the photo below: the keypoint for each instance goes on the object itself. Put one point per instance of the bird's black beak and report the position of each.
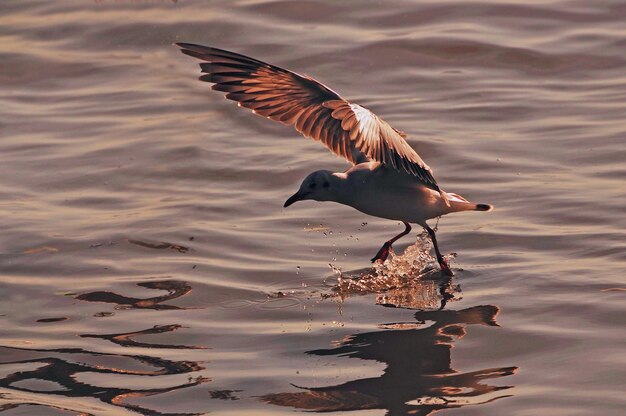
(298, 196)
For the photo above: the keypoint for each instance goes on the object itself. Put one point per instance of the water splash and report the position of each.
(396, 272)
(410, 280)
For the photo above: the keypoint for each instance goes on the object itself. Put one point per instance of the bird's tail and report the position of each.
(483, 207)
(458, 203)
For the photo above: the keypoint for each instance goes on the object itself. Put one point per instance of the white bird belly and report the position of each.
(401, 204)
(387, 194)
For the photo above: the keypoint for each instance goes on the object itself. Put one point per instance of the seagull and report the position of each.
(387, 179)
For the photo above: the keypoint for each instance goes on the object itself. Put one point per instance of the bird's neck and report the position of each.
(341, 191)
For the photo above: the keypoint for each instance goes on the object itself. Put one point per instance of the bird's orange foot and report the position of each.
(383, 253)
(445, 268)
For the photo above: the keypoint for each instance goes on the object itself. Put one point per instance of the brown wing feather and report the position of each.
(275, 93)
(315, 110)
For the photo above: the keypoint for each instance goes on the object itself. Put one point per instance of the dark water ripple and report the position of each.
(60, 368)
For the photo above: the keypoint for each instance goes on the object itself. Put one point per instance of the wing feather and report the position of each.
(315, 110)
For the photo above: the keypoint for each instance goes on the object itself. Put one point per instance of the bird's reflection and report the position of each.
(419, 378)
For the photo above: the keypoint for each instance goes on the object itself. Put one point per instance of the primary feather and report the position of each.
(316, 111)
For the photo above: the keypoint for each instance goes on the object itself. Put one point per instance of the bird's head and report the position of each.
(318, 186)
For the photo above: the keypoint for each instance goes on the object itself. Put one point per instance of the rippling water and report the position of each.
(147, 265)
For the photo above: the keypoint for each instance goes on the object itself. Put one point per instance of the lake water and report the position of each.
(147, 265)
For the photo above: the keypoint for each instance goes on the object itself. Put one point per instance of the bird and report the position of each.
(386, 179)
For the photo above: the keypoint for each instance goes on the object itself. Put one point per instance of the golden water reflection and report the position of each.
(64, 368)
(74, 375)
(125, 339)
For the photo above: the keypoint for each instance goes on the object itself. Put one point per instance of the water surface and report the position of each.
(147, 265)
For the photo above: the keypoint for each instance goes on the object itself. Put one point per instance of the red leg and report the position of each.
(383, 253)
(445, 269)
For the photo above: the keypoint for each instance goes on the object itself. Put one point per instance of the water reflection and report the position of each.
(126, 339)
(70, 373)
(77, 373)
(176, 289)
(160, 246)
(10, 406)
(419, 378)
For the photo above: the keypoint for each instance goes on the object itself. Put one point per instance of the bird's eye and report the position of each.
(326, 184)
(312, 185)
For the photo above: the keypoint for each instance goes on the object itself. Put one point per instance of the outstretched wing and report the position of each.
(315, 110)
